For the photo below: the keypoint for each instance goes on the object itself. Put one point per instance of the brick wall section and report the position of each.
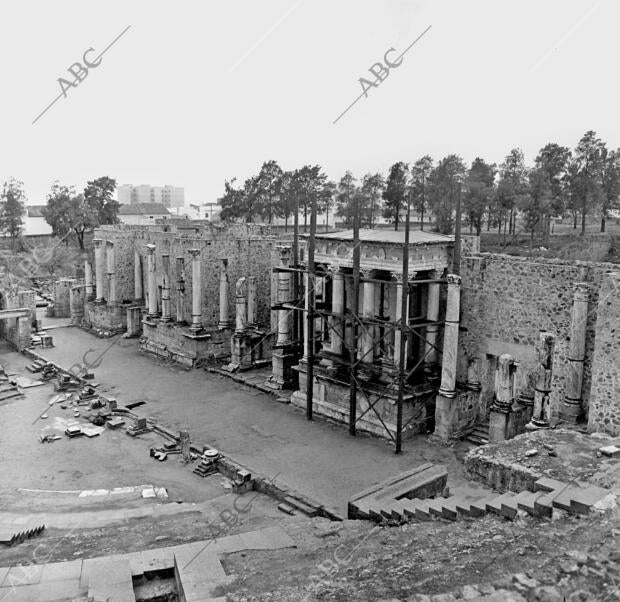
(249, 249)
(507, 300)
(605, 395)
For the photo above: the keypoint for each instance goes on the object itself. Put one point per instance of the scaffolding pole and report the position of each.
(311, 299)
(404, 318)
(354, 324)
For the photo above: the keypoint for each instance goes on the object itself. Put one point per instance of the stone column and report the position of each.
(252, 301)
(337, 332)
(306, 309)
(283, 295)
(111, 273)
(180, 290)
(166, 315)
(88, 279)
(196, 291)
(398, 340)
(224, 322)
(499, 415)
(504, 388)
(541, 414)
(137, 276)
(451, 337)
(367, 331)
(572, 408)
(432, 315)
(98, 269)
(152, 283)
(241, 321)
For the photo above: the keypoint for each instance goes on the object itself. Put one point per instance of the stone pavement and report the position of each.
(198, 570)
(318, 459)
(100, 518)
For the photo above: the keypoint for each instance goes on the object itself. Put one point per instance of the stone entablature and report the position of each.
(383, 250)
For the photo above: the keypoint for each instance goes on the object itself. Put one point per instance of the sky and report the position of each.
(197, 92)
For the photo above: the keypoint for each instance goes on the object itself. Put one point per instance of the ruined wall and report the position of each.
(605, 394)
(249, 249)
(507, 300)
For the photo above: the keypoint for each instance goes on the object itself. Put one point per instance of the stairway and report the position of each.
(549, 495)
(480, 434)
(9, 390)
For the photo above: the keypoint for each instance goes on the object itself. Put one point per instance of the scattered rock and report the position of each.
(531, 452)
(569, 567)
(611, 451)
(524, 580)
(546, 593)
(470, 592)
(578, 556)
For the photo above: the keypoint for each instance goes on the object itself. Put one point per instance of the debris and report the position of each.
(48, 438)
(115, 422)
(531, 452)
(612, 451)
(92, 431)
(73, 431)
(208, 464)
(43, 416)
(138, 428)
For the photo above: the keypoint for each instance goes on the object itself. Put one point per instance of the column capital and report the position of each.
(285, 254)
(97, 242)
(194, 253)
(109, 243)
(454, 279)
(581, 291)
(335, 269)
(224, 261)
(150, 249)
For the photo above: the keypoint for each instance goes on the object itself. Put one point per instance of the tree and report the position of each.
(267, 189)
(310, 181)
(232, 201)
(610, 184)
(420, 173)
(12, 209)
(554, 160)
(587, 174)
(536, 204)
(346, 197)
(373, 186)
(479, 190)
(67, 212)
(327, 196)
(98, 197)
(288, 190)
(445, 185)
(395, 192)
(511, 187)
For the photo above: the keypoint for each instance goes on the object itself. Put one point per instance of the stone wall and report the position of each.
(507, 300)
(18, 330)
(248, 247)
(605, 394)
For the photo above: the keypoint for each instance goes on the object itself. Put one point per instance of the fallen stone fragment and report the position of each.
(612, 451)
(524, 580)
(531, 452)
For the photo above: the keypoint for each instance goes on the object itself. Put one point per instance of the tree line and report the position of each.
(580, 182)
(67, 212)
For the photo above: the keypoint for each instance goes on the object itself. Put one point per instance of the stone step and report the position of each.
(495, 505)
(527, 501)
(300, 505)
(510, 506)
(563, 497)
(547, 484)
(396, 510)
(584, 499)
(464, 504)
(479, 507)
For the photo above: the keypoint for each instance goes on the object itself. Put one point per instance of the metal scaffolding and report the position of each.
(353, 362)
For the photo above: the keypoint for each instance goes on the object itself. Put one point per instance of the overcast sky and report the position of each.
(198, 91)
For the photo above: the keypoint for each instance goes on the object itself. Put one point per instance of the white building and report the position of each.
(142, 214)
(168, 196)
(34, 222)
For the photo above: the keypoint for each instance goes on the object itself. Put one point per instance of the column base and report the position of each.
(223, 325)
(571, 410)
(536, 425)
(447, 393)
